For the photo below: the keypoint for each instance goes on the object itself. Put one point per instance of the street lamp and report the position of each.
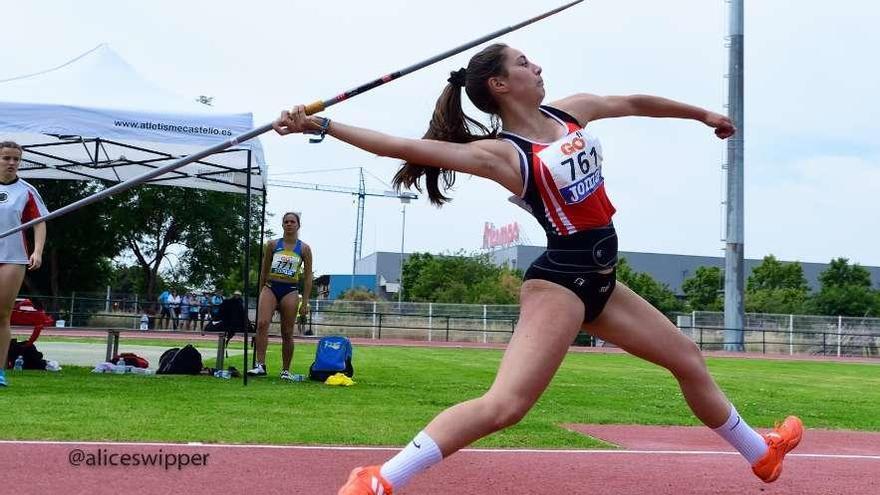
(405, 197)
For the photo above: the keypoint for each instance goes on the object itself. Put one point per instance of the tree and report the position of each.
(841, 274)
(658, 295)
(358, 294)
(129, 279)
(776, 287)
(773, 274)
(412, 270)
(846, 291)
(79, 248)
(777, 301)
(459, 279)
(704, 290)
(233, 279)
(203, 228)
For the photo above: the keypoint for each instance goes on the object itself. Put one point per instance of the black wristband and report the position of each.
(325, 126)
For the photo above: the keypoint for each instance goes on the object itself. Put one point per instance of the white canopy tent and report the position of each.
(95, 117)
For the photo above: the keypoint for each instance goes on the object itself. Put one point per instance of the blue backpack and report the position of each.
(333, 355)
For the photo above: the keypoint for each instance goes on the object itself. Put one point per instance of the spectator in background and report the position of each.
(216, 301)
(164, 310)
(204, 309)
(184, 311)
(174, 308)
(194, 306)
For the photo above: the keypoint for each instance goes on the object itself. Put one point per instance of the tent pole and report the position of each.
(260, 266)
(247, 267)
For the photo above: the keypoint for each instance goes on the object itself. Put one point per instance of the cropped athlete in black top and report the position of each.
(552, 165)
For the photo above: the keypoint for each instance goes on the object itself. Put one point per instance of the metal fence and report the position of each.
(368, 319)
(415, 321)
(789, 334)
(764, 333)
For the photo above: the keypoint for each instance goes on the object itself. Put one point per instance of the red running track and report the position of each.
(657, 461)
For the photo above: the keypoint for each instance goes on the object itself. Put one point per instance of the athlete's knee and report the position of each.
(263, 325)
(688, 362)
(506, 409)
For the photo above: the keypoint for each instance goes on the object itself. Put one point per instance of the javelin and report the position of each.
(311, 108)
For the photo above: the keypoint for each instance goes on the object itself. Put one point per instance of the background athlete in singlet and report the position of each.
(19, 203)
(286, 273)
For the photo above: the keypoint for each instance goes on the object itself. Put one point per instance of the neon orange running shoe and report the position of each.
(365, 481)
(780, 441)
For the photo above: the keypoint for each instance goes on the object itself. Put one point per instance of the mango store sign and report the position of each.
(503, 236)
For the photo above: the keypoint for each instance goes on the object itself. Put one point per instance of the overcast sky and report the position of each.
(812, 148)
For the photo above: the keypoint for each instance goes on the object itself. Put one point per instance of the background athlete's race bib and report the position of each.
(285, 265)
(575, 162)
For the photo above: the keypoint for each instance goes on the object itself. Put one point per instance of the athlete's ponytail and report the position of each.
(449, 122)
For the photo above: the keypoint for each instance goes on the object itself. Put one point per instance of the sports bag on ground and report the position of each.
(131, 359)
(186, 360)
(333, 355)
(33, 359)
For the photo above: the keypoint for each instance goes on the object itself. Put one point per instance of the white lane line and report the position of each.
(395, 449)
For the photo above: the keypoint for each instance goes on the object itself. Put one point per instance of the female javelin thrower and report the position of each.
(19, 203)
(545, 156)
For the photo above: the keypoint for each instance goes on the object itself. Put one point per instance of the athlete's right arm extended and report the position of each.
(489, 158)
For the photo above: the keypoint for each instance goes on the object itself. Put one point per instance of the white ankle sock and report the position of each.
(742, 437)
(418, 455)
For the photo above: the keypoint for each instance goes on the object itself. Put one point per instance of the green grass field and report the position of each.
(400, 389)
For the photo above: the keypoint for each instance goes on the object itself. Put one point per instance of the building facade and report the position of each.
(669, 269)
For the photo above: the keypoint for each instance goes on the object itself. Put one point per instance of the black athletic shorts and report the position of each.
(576, 262)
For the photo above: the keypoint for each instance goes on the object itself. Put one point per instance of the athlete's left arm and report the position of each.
(307, 280)
(36, 258)
(587, 107)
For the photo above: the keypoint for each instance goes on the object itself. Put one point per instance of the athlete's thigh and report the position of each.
(11, 276)
(550, 317)
(267, 305)
(631, 323)
(289, 305)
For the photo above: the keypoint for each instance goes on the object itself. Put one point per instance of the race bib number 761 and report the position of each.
(575, 162)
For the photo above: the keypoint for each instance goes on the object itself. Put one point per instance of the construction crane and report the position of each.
(361, 192)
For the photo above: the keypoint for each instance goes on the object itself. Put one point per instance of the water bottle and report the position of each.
(120, 366)
(19, 364)
(299, 378)
(222, 374)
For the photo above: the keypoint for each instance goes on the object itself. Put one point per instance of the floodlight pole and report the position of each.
(734, 308)
(404, 200)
